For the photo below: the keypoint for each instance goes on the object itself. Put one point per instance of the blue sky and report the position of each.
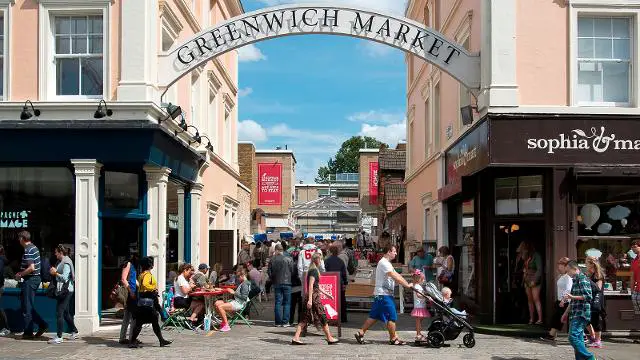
(312, 92)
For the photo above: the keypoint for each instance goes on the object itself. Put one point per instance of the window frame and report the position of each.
(213, 113)
(592, 9)
(5, 13)
(48, 10)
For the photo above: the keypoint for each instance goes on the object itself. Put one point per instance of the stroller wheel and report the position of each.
(468, 340)
(435, 338)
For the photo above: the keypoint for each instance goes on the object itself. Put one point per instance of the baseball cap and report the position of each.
(203, 267)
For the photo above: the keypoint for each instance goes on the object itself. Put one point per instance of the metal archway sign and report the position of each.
(300, 19)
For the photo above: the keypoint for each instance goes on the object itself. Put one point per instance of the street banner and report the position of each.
(269, 184)
(373, 183)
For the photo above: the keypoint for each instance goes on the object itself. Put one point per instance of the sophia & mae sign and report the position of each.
(595, 139)
(398, 32)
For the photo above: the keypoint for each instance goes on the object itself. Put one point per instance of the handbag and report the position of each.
(119, 294)
(145, 302)
(57, 290)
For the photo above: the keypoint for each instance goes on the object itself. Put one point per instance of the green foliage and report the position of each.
(346, 160)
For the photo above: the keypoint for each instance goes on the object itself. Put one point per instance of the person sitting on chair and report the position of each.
(240, 298)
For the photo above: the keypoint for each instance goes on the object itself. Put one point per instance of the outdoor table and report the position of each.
(209, 300)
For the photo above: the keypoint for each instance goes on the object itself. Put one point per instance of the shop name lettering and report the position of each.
(596, 140)
(465, 156)
(14, 219)
(269, 184)
(318, 20)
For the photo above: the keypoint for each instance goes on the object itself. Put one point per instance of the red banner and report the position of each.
(269, 184)
(329, 282)
(373, 183)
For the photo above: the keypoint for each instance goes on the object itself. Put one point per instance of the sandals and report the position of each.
(421, 339)
(397, 342)
(360, 338)
(335, 341)
(296, 342)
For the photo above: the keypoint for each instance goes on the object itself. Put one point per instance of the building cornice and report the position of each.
(225, 75)
(243, 187)
(430, 160)
(166, 13)
(188, 15)
(224, 165)
(235, 6)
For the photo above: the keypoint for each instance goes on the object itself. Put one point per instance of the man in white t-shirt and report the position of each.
(304, 258)
(384, 306)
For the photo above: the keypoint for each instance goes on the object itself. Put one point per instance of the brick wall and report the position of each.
(246, 164)
(244, 212)
(288, 181)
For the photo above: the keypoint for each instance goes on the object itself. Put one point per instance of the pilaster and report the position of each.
(157, 179)
(196, 236)
(87, 174)
(181, 225)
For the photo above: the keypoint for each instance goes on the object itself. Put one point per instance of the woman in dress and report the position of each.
(314, 311)
(532, 279)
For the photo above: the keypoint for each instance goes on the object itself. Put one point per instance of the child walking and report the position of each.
(420, 311)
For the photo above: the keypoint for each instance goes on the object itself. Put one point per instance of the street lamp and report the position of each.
(26, 114)
(99, 114)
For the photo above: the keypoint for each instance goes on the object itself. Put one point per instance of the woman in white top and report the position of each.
(182, 287)
(563, 287)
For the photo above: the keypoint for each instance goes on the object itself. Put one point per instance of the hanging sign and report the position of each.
(373, 183)
(269, 184)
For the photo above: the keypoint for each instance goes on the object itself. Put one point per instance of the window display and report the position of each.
(608, 220)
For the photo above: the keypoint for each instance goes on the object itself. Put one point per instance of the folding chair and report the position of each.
(238, 315)
(177, 317)
(255, 306)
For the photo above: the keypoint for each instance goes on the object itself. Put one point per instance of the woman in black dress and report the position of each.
(314, 311)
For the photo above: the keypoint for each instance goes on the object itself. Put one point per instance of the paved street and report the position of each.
(266, 342)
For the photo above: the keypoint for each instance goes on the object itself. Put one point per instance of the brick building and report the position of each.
(392, 201)
(368, 189)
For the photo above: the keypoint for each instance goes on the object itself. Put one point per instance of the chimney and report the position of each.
(286, 147)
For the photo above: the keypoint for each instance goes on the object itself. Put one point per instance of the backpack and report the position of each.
(597, 298)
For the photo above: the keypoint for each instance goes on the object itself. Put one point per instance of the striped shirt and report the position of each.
(31, 256)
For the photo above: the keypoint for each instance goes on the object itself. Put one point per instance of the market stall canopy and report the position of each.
(323, 205)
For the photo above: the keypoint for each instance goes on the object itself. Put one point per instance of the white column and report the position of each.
(157, 178)
(180, 225)
(196, 236)
(498, 54)
(87, 174)
(139, 51)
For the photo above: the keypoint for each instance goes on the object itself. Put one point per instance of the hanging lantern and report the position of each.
(590, 214)
(623, 222)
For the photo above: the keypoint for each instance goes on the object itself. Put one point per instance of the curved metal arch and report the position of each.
(302, 19)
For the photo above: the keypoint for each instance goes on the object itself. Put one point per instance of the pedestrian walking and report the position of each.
(4, 324)
(578, 313)
(336, 264)
(598, 312)
(30, 276)
(314, 312)
(128, 279)
(280, 270)
(65, 276)
(563, 287)
(147, 303)
(296, 291)
(384, 306)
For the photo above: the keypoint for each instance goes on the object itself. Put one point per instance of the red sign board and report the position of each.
(269, 184)
(373, 183)
(329, 282)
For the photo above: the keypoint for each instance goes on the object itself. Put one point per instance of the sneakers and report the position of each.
(74, 336)
(286, 325)
(5, 332)
(56, 340)
(595, 344)
(225, 328)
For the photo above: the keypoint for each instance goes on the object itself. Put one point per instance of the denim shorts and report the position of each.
(383, 309)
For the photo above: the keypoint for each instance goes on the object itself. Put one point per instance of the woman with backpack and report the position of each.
(595, 274)
(64, 277)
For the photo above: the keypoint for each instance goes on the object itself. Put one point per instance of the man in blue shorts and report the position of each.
(384, 306)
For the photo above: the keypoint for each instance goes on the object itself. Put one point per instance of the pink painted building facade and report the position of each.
(142, 177)
(545, 154)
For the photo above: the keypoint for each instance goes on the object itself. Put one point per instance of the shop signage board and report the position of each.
(565, 141)
(373, 183)
(269, 184)
(329, 282)
(469, 155)
(300, 19)
(14, 219)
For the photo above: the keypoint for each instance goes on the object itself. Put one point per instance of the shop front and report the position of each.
(101, 189)
(566, 184)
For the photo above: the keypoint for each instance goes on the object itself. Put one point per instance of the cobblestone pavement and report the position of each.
(263, 341)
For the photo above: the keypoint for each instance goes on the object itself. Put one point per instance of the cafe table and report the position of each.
(210, 297)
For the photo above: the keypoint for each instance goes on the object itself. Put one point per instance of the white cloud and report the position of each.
(378, 117)
(395, 6)
(249, 130)
(250, 53)
(245, 92)
(389, 134)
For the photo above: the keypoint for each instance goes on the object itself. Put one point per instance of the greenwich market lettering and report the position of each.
(401, 33)
(595, 139)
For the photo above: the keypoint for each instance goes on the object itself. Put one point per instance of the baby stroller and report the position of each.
(447, 323)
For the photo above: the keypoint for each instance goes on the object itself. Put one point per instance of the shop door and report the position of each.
(121, 238)
(221, 248)
(511, 305)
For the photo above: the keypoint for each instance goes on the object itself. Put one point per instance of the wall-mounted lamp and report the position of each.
(466, 114)
(173, 110)
(183, 125)
(100, 113)
(26, 114)
(196, 137)
(209, 146)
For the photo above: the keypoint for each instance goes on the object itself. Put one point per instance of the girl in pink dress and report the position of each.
(419, 305)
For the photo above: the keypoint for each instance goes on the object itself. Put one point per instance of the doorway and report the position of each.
(511, 306)
(121, 238)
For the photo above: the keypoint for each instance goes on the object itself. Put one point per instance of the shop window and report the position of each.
(519, 195)
(120, 190)
(41, 201)
(78, 55)
(603, 60)
(608, 220)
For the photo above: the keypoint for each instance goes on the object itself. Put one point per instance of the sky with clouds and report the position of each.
(312, 92)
